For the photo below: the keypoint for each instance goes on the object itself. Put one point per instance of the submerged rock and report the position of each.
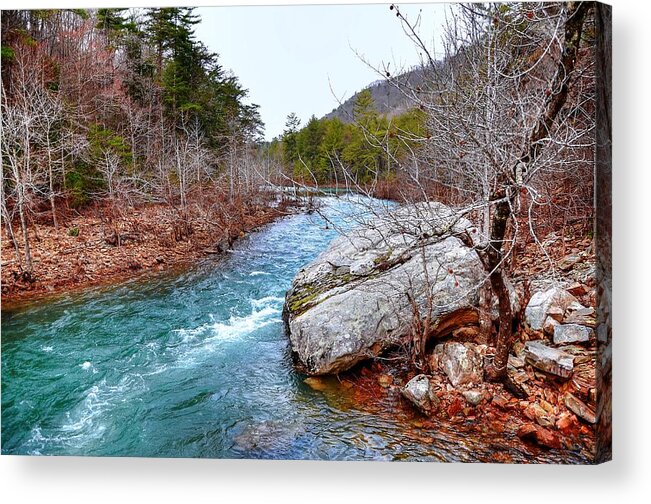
(267, 435)
(550, 360)
(359, 296)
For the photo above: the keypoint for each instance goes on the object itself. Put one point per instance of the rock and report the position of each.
(541, 303)
(466, 333)
(565, 421)
(519, 376)
(550, 360)
(580, 315)
(461, 362)
(550, 325)
(536, 412)
(385, 381)
(580, 409)
(568, 262)
(500, 401)
(539, 435)
(419, 391)
(571, 333)
(577, 289)
(555, 313)
(267, 435)
(315, 383)
(337, 320)
(515, 361)
(474, 397)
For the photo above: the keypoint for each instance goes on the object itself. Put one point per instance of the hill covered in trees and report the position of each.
(388, 100)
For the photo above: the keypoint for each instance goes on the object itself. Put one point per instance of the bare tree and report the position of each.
(509, 116)
(503, 116)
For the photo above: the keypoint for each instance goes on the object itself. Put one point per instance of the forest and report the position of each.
(110, 109)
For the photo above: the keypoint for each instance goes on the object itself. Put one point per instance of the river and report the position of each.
(196, 364)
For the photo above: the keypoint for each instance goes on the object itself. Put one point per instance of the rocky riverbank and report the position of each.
(373, 288)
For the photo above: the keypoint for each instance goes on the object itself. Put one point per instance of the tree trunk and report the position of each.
(23, 224)
(496, 370)
(576, 14)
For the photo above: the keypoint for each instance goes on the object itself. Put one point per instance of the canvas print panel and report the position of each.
(376, 232)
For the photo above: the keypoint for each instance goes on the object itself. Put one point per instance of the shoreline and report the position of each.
(90, 263)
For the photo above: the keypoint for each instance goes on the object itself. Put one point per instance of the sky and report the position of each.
(302, 58)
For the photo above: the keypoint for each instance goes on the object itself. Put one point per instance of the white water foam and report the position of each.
(266, 301)
(47, 349)
(208, 338)
(259, 273)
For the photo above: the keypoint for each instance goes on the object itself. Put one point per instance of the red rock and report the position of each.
(539, 435)
(577, 289)
(454, 407)
(565, 421)
(500, 401)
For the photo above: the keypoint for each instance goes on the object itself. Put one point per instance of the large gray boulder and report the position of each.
(359, 296)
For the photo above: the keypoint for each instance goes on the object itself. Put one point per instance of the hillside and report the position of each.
(388, 99)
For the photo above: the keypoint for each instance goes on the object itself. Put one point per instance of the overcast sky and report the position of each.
(293, 58)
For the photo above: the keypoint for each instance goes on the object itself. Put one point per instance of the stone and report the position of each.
(550, 360)
(580, 315)
(555, 313)
(500, 401)
(316, 383)
(515, 361)
(385, 381)
(419, 391)
(539, 435)
(572, 333)
(336, 320)
(461, 362)
(267, 435)
(550, 325)
(580, 409)
(466, 333)
(474, 397)
(577, 289)
(536, 412)
(568, 262)
(565, 421)
(542, 302)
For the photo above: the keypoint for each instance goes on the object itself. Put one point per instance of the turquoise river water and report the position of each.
(195, 364)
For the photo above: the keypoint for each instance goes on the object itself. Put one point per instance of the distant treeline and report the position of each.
(365, 150)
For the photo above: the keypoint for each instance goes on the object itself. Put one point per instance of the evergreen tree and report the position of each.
(290, 149)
